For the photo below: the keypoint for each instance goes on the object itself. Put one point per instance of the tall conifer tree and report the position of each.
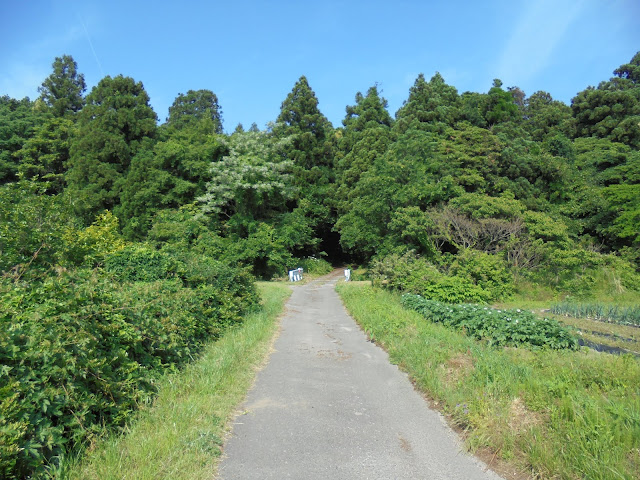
(63, 90)
(312, 150)
(111, 129)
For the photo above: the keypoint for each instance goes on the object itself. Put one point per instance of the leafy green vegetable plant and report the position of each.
(500, 327)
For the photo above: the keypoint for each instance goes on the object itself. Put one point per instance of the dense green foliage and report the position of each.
(499, 327)
(144, 237)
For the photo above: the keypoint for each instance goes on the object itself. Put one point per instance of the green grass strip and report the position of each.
(180, 435)
(553, 414)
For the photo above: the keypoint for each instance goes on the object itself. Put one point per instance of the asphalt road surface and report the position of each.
(329, 405)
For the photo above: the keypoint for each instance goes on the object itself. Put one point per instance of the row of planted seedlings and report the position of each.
(514, 327)
(618, 314)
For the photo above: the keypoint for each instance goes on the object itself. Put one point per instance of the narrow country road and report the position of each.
(330, 406)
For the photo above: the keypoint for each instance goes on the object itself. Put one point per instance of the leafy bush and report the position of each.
(79, 351)
(499, 327)
(139, 263)
(91, 245)
(32, 227)
(582, 272)
(413, 274)
(489, 272)
(455, 290)
(315, 266)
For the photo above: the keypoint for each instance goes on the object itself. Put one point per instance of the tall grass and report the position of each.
(180, 436)
(554, 414)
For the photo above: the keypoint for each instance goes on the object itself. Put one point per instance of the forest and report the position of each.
(127, 243)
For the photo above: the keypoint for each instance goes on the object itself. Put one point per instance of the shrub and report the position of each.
(80, 351)
(489, 272)
(313, 265)
(413, 274)
(139, 262)
(91, 245)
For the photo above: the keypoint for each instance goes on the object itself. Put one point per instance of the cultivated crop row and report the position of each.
(500, 327)
(600, 312)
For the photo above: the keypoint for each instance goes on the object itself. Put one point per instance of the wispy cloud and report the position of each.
(535, 36)
(93, 50)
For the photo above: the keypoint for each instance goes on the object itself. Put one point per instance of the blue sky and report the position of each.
(250, 53)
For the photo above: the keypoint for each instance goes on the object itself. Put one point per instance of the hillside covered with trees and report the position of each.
(126, 243)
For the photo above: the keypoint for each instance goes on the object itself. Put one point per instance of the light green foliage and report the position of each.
(139, 263)
(183, 229)
(62, 90)
(540, 225)
(252, 179)
(489, 272)
(89, 246)
(479, 206)
(44, 156)
(409, 273)
(314, 266)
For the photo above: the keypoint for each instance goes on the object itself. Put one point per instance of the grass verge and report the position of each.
(549, 414)
(180, 435)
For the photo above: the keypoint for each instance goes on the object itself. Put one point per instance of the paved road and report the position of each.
(330, 406)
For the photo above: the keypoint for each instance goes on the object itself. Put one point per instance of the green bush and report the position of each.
(313, 265)
(80, 351)
(91, 245)
(412, 274)
(454, 290)
(139, 263)
(489, 272)
(32, 227)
